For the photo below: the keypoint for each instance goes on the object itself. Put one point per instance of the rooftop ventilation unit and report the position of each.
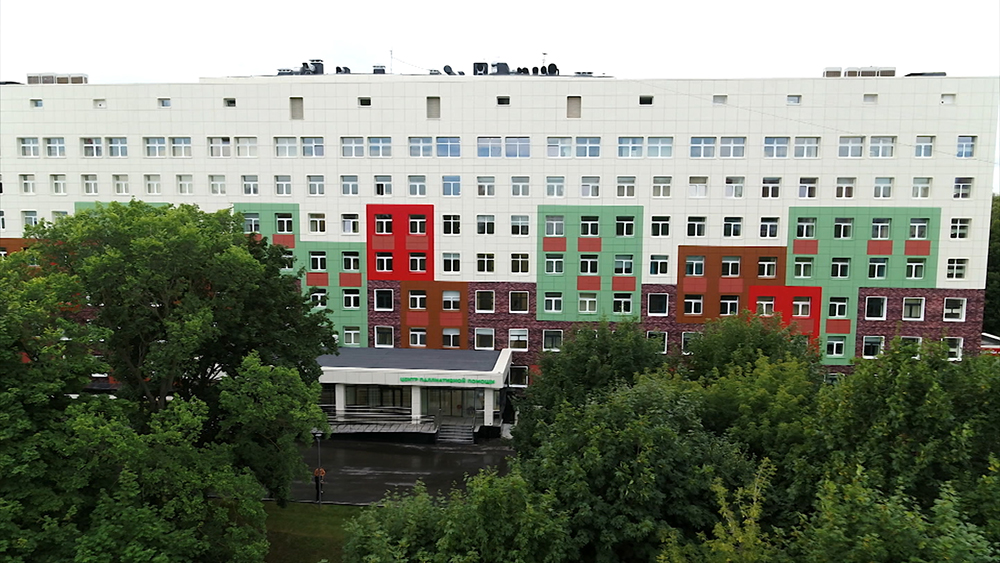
(480, 69)
(831, 72)
(501, 68)
(378, 69)
(887, 71)
(869, 71)
(448, 70)
(852, 72)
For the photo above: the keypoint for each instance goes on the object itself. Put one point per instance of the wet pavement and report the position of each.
(362, 472)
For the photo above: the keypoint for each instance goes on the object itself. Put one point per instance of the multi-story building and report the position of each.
(494, 212)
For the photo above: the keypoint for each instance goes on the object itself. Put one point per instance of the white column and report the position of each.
(488, 407)
(340, 396)
(415, 403)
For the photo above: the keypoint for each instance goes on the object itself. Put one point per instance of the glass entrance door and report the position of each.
(465, 403)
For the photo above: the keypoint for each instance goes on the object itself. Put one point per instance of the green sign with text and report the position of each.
(447, 380)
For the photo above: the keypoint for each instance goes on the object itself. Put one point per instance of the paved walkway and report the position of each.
(362, 472)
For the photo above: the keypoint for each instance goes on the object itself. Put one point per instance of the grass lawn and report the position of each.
(307, 533)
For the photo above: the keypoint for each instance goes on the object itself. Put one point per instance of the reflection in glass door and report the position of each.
(465, 403)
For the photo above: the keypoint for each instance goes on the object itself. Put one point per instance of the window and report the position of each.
(851, 147)
(767, 267)
(622, 303)
(433, 107)
(775, 147)
(352, 336)
(770, 188)
(485, 186)
(156, 147)
(36, 103)
(421, 147)
(117, 147)
(383, 224)
(246, 147)
(418, 262)
(519, 263)
(451, 301)
(730, 266)
(803, 268)
(383, 186)
(768, 227)
(220, 147)
(383, 261)
(380, 147)
(418, 224)
(658, 264)
(720, 99)
(882, 147)
(318, 297)
(552, 340)
(957, 268)
(623, 264)
(484, 301)
(807, 188)
(881, 228)
(283, 185)
(801, 306)
(883, 188)
(845, 188)
(835, 346)
(588, 303)
(805, 227)
(229, 102)
(92, 147)
(286, 147)
(519, 186)
(626, 186)
(317, 261)
(963, 188)
(517, 338)
(351, 147)
(185, 184)
(317, 222)
(843, 228)
(553, 263)
(924, 147)
(870, 98)
(625, 226)
(871, 346)
(698, 186)
(588, 147)
(559, 147)
(661, 186)
(555, 186)
(588, 264)
(451, 338)
(317, 184)
(660, 226)
(351, 261)
(702, 147)
(573, 106)
(918, 228)
(418, 300)
(660, 147)
(732, 147)
(383, 337)
(696, 226)
(921, 188)
(729, 305)
(806, 147)
(120, 182)
(915, 268)
(734, 187)
(877, 268)
(55, 147)
(417, 185)
(519, 225)
(29, 146)
(488, 147)
(484, 339)
(348, 185)
(519, 302)
(217, 184)
(152, 182)
(913, 308)
(875, 308)
(954, 309)
(693, 304)
(732, 227)
(694, 266)
(58, 182)
(658, 303)
(838, 308)
(449, 147)
(485, 263)
(966, 146)
(590, 186)
(517, 147)
(765, 306)
(960, 227)
(630, 147)
(840, 268)
(954, 348)
(28, 183)
(451, 224)
(29, 218)
(589, 226)
(503, 100)
(287, 259)
(485, 224)
(451, 261)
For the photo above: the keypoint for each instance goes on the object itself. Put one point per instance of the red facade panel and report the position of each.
(588, 283)
(880, 247)
(410, 230)
(804, 246)
(317, 279)
(350, 280)
(623, 283)
(838, 326)
(288, 241)
(784, 299)
(918, 248)
(554, 244)
(588, 244)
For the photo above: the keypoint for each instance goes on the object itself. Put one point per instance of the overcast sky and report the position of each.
(182, 40)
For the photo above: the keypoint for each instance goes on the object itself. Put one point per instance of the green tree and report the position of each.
(991, 310)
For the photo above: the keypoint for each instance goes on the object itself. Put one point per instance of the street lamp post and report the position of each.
(319, 474)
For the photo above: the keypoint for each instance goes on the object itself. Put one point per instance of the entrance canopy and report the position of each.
(425, 368)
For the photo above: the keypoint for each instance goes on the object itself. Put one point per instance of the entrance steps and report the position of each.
(456, 433)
